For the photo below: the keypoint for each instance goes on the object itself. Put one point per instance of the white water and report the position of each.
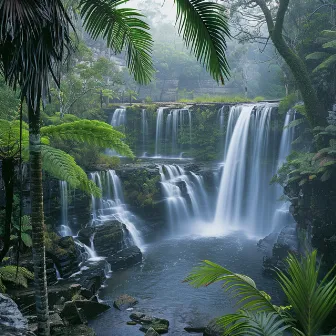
(112, 206)
(169, 128)
(118, 119)
(185, 199)
(245, 200)
(281, 215)
(65, 229)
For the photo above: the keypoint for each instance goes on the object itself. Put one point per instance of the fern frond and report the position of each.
(241, 286)
(11, 273)
(63, 167)
(204, 28)
(92, 132)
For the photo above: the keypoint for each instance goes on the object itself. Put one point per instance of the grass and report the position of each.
(220, 99)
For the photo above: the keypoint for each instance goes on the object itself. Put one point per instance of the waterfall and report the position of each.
(112, 205)
(281, 215)
(168, 131)
(119, 117)
(159, 129)
(144, 128)
(221, 119)
(185, 198)
(65, 229)
(245, 199)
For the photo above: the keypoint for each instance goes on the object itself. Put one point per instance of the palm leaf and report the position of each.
(317, 55)
(330, 61)
(241, 287)
(330, 44)
(329, 34)
(204, 28)
(122, 28)
(311, 301)
(63, 167)
(89, 131)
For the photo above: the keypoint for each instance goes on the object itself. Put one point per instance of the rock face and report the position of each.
(151, 332)
(124, 302)
(10, 331)
(72, 314)
(91, 309)
(125, 258)
(10, 315)
(107, 238)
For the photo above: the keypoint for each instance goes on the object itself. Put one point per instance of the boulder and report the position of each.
(151, 332)
(158, 324)
(125, 258)
(124, 302)
(212, 329)
(72, 314)
(10, 314)
(91, 309)
(54, 318)
(195, 329)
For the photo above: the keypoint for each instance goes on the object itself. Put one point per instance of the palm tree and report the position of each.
(310, 300)
(54, 161)
(35, 39)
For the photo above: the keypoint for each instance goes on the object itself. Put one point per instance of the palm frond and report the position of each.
(122, 28)
(204, 28)
(241, 287)
(89, 131)
(330, 61)
(63, 167)
(252, 323)
(329, 34)
(34, 39)
(317, 55)
(311, 300)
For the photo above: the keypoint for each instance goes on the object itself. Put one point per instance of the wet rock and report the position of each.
(72, 314)
(91, 309)
(54, 318)
(151, 332)
(87, 294)
(10, 331)
(158, 324)
(131, 323)
(125, 258)
(212, 329)
(10, 314)
(73, 330)
(124, 302)
(266, 244)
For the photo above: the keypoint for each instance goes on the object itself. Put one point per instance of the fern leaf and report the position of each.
(63, 167)
(16, 275)
(89, 131)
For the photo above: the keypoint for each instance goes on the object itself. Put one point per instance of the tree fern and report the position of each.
(63, 167)
(17, 275)
(89, 131)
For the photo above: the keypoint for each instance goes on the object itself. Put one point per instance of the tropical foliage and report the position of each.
(16, 275)
(311, 299)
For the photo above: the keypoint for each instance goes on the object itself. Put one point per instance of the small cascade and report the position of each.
(185, 198)
(65, 230)
(221, 119)
(169, 130)
(89, 252)
(119, 117)
(245, 199)
(144, 129)
(281, 215)
(112, 205)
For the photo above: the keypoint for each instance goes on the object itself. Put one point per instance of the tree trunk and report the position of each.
(8, 172)
(37, 217)
(315, 112)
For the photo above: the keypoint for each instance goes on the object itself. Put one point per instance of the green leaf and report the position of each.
(330, 61)
(317, 56)
(121, 28)
(204, 28)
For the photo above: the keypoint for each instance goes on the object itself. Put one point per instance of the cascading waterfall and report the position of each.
(168, 131)
(245, 199)
(185, 198)
(118, 119)
(281, 214)
(144, 129)
(65, 230)
(112, 206)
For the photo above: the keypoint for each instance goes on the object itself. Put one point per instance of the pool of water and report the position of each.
(158, 283)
